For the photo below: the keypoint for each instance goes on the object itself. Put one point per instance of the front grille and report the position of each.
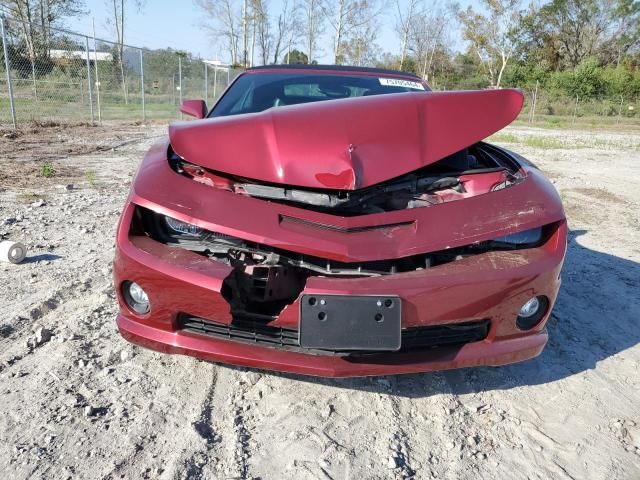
(241, 330)
(416, 338)
(413, 339)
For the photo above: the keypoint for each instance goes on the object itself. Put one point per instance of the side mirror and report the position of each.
(194, 108)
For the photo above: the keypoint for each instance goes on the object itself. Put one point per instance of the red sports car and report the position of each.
(340, 221)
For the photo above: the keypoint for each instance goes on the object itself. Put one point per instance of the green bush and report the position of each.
(621, 82)
(47, 170)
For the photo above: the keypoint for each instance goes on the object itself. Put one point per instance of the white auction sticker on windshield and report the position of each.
(398, 82)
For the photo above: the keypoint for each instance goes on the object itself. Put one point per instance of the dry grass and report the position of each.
(600, 193)
(30, 197)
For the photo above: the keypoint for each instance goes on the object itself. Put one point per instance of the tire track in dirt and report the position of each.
(400, 459)
(221, 426)
(44, 312)
(419, 412)
(316, 428)
(436, 426)
(176, 449)
(237, 422)
(196, 461)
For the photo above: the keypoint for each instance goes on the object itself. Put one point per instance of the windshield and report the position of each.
(252, 93)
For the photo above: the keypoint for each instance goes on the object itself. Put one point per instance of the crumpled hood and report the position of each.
(345, 144)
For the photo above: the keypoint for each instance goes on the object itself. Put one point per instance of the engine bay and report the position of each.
(478, 169)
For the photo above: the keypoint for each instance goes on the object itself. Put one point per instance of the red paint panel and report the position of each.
(346, 144)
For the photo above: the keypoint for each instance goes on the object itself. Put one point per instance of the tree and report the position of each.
(360, 49)
(222, 19)
(262, 23)
(625, 31)
(36, 18)
(295, 57)
(493, 35)
(313, 25)
(346, 16)
(426, 35)
(565, 32)
(250, 29)
(403, 25)
(245, 31)
(287, 28)
(119, 8)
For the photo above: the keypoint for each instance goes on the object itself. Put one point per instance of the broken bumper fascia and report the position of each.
(487, 286)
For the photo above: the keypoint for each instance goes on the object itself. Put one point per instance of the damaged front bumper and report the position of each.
(481, 293)
(491, 286)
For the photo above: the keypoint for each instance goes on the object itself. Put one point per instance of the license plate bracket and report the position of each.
(350, 322)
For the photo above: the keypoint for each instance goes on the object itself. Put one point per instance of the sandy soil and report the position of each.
(77, 401)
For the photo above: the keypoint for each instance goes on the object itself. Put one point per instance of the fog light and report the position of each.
(532, 312)
(530, 308)
(136, 297)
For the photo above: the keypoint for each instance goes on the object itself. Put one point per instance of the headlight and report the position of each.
(182, 227)
(528, 237)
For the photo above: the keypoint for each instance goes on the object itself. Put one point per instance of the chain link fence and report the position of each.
(57, 75)
(551, 109)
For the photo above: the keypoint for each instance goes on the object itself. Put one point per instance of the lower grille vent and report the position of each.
(413, 339)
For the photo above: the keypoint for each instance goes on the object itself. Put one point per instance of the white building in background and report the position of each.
(81, 55)
(217, 64)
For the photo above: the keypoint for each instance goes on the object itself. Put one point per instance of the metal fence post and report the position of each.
(144, 113)
(7, 66)
(180, 83)
(33, 70)
(89, 79)
(173, 90)
(95, 64)
(535, 103)
(33, 76)
(206, 83)
(180, 77)
(215, 81)
(620, 109)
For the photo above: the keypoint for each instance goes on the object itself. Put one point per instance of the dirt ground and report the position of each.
(77, 401)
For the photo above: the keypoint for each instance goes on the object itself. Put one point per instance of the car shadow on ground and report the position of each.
(595, 317)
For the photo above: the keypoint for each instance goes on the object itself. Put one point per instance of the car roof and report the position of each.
(333, 68)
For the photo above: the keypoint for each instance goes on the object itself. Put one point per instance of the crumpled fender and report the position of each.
(345, 144)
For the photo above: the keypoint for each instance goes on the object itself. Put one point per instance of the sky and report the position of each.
(176, 24)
